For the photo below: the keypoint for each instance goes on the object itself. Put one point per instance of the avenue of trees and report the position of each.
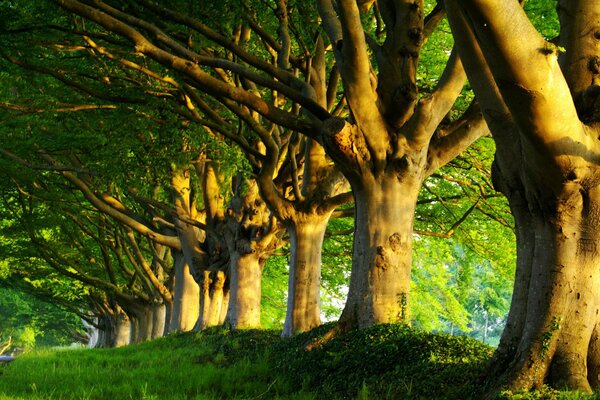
(170, 167)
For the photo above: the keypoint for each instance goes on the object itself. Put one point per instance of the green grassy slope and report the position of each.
(383, 362)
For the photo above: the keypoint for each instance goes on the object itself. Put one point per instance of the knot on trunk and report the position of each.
(395, 242)
(343, 143)
(381, 258)
(588, 104)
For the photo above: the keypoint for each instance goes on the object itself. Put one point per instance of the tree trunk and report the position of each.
(105, 331)
(217, 299)
(122, 330)
(186, 298)
(303, 306)
(224, 305)
(559, 305)
(245, 291)
(594, 358)
(381, 264)
(159, 312)
(141, 323)
(204, 301)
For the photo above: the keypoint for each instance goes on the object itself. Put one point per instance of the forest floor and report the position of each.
(382, 362)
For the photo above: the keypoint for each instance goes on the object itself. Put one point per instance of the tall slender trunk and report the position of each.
(381, 264)
(211, 299)
(204, 301)
(224, 305)
(217, 298)
(159, 312)
(122, 330)
(306, 242)
(186, 298)
(245, 291)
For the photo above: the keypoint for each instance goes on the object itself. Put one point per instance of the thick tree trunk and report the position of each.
(381, 265)
(186, 299)
(303, 306)
(245, 291)
(559, 304)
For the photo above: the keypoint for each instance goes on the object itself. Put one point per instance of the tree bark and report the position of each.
(186, 298)
(549, 172)
(245, 291)
(204, 300)
(122, 335)
(304, 286)
(159, 312)
(141, 317)
(381, 264)
(217, 299)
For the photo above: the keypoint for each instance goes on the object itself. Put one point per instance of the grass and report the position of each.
(382, 362)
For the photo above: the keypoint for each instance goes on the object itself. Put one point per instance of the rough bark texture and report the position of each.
(304, 286)
(392, 125)
(391, 143)
(380, 281)
(546, 131)
(245, 295)
(250, 235)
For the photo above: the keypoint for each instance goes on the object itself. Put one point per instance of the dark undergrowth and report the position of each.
(382, 362)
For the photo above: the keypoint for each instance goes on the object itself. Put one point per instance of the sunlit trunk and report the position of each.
(245, 291)
(561, 302)
(159, 312)
(380, 282)
(122, 330)
(186, 298)
(204, 299)
(303, 306)
(216, 299)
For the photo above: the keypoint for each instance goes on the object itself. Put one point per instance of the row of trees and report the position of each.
(329, 111)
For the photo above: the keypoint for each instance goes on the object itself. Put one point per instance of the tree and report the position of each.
(540, 102)
(388, 145)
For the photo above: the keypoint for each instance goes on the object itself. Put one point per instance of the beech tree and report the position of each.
(540, 101)
(389, 144)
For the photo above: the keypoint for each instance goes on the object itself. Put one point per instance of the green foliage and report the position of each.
(274, 292)
(34, 323)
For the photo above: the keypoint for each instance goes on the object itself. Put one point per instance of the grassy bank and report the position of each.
(383, 362)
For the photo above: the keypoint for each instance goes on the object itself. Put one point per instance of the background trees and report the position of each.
(148, 115)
